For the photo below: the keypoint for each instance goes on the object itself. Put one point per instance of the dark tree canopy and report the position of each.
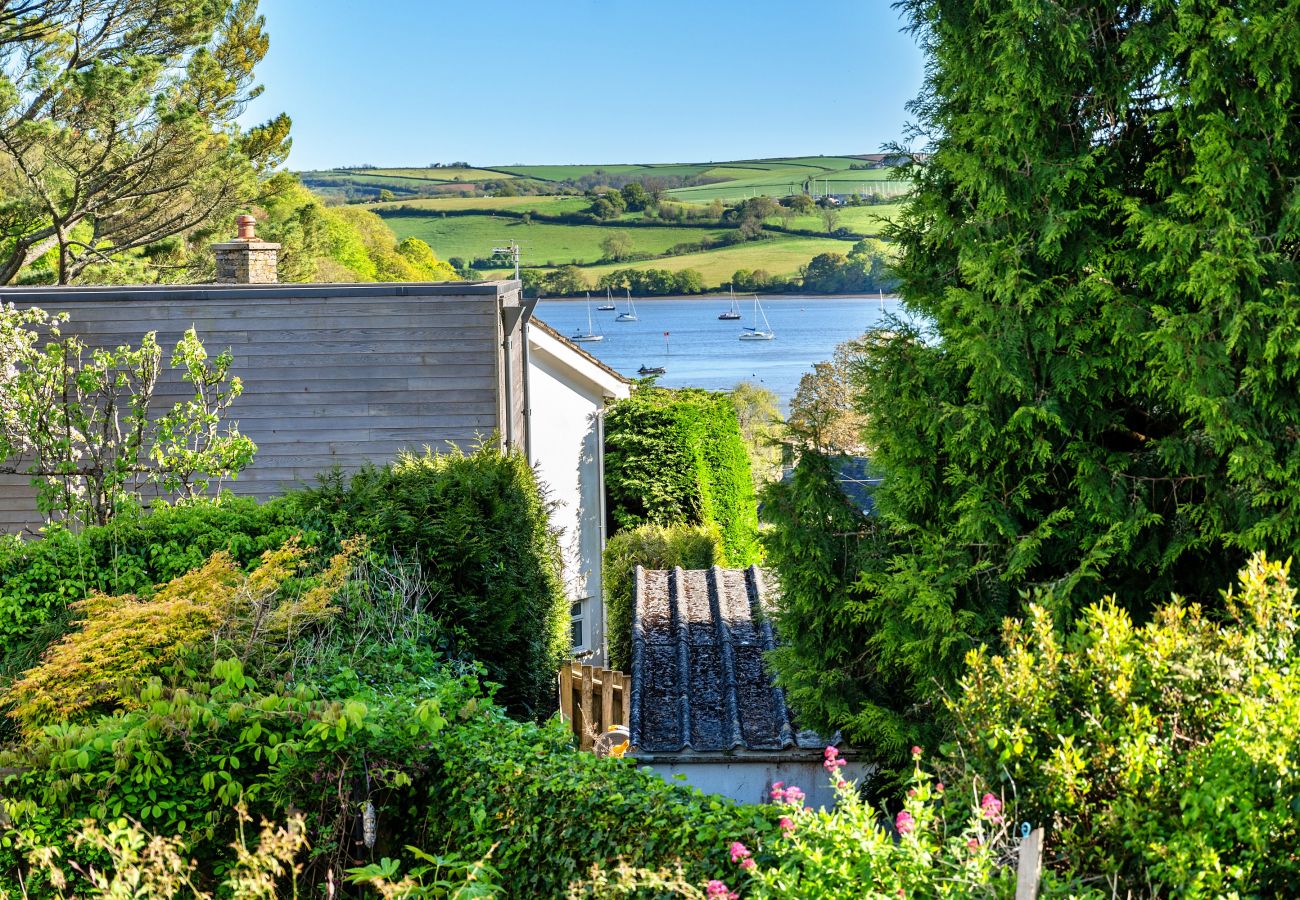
(1105, 242)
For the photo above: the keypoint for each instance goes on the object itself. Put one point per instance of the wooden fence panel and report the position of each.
(592, 701)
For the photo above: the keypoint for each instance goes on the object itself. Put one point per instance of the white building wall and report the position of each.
(566, 398)
(750, 779)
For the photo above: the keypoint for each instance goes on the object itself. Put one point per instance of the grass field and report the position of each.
(541, 243)
(444, 174)
(862, 219)
(553, 205)
(546, 244)
(778, 256)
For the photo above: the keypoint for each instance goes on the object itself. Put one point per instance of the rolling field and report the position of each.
(446, 173)
(476, 229)
(541, 243)
(779, 256)
(553, 205)
(862, 219)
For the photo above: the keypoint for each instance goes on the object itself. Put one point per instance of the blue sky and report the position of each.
(411, 82)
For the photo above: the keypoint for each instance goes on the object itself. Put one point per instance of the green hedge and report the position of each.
(676, 457)
(654, 547)
(475, 524)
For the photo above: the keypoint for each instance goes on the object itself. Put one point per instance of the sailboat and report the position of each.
(608, 305)
(755, 333)
(630, 314)
(586, 337)
(733, 311)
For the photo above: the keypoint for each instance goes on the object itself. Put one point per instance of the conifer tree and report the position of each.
(1103, 242)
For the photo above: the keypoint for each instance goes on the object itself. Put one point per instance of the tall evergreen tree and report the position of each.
(1104, 242)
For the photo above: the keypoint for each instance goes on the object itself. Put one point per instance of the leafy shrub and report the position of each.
(676, 457)
(296, 692)
(39, 578)
(1162, 757)
(473, 526)
(521, 788)
(654, 547)
(476, 527)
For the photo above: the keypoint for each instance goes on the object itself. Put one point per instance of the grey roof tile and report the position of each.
(699, 681)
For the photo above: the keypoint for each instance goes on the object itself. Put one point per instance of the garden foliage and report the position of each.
(1161, 757)
(676, 457)
(1104, 393)
(473, 528)
(652, 547)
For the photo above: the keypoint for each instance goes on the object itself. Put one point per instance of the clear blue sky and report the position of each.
(411, 82)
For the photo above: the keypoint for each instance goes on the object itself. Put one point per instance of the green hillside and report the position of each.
(463, 211)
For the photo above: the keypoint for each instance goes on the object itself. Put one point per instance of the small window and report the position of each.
(575, 630)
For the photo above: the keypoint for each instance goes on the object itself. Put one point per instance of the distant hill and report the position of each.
(690, 182)
(464, 211)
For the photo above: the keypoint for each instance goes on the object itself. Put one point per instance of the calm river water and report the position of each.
(701, 351)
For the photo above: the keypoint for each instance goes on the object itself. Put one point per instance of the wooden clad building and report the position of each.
(334, 374)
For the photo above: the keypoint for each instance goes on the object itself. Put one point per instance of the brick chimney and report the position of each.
(246, 260)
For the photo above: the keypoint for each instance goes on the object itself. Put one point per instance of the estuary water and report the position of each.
(701, 351)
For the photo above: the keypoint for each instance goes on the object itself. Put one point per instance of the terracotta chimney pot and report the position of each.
(247, 228)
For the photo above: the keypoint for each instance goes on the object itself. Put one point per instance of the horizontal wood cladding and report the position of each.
(334, 376)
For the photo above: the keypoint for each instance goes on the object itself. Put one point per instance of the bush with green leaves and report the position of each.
(39, 578)
(676, 457)
(477, 528)
(473, 526)
(1163, 758)
(652, 547)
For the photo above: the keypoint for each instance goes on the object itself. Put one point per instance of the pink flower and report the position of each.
(738, 851)
(716, 888)
(916, 753)
(747, 864)
(905, 823)
(911, 792)
(778, 795)
(973, 843)
(841, 783)
(786, 823)
(991, 807)
(939, 787)
(794, 796)
(830, 753)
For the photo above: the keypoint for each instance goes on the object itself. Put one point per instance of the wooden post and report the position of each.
(1030, 867)
(606, 700)
(566, 693)
(585, 720)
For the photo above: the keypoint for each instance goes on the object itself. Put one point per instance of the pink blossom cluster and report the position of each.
(832, 761)
(782, 794)
(905, 823)
(991, 807)
(740, 854)
(716, 888)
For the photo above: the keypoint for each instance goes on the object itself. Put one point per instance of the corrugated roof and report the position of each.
(699, 682)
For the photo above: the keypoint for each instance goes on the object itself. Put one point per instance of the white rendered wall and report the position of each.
(750, 780)
(566, 448)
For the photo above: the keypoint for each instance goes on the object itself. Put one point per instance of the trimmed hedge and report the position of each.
(476, 525)
(654, 547)
(676, 457)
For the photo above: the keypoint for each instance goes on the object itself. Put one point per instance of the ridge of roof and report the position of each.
(534, 320)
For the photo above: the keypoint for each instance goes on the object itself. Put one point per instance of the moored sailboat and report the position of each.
(754, 333)
(590, 335)
(629, 315)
